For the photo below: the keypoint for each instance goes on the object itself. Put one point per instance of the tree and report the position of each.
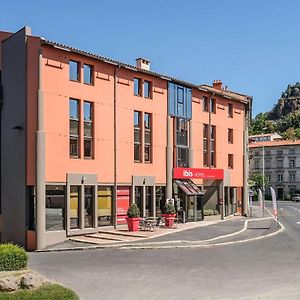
(256, 181)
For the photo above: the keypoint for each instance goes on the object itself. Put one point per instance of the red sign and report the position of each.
(190, 173)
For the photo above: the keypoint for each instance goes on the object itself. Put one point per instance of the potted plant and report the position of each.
(133, 217)
(169, 214)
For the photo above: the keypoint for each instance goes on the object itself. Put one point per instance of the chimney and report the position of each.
(143, 63)
(217, 84)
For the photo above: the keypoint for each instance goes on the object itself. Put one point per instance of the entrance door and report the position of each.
(280, 192)
(89, 194)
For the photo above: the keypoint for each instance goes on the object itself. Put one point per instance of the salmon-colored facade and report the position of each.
(128, 141)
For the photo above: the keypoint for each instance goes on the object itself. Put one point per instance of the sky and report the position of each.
(253, 46)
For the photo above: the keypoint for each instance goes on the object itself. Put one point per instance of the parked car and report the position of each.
(296, 197)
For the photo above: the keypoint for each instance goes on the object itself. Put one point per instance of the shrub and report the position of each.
(169, 209)
(12, 257)
(133, 211)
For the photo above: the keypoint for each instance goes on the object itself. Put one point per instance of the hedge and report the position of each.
(12, 257)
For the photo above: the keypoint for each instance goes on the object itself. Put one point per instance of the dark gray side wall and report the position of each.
(13, 146)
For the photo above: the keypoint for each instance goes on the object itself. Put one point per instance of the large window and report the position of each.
(55, 207)
(160, 198)
(137, 137)
(75, 199)
(280, 163)
(279, 177)
(212, 105)
(230, 135)
(292, 177)
(213, 145)
(89, 196)
(205, 145)
(138, 198)
(230, 161)
(180, 101)
(292, 163)
(88, 129)
(87, 74)
(230, 110)
(137, 87)
(74, 127)
(205, 104)
(147, 89)
(74, 70)
(182, 142)
(148, 137)
(104, 205)
(149, 201)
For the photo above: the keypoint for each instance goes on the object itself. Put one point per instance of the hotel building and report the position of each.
(83, 136)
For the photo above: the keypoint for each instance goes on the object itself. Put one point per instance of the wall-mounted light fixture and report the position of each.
(83, 178)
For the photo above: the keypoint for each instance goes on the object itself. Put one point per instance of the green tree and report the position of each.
(256, 181)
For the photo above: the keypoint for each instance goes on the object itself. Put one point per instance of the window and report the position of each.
(256, 164)
(88, 129)
(87, 74)
(291, 151)
(55, 207)
(137, 87)
(292, 177)
(230, 135)
(160, 200)
(138, 199)
(75, 197)
(147, 89)
(104, 205)
(292, 163)
(182, 157)
(269, 177)
(279, 177)
(267, 163)
(137, 137)
(74, 127)
(148, 137)
(256, 153)
(149, 201)
(230, 161)
(279, 152)
(280, 164)
(180, 101)
(74, 70)
(205, 145)
(205, 104)
(182, 142)
(268, 152)
(181, 132)
(212, 145)
(212, 105)
(89, 196)
(230, 110)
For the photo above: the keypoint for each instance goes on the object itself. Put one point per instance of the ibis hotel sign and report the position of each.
(193, 173)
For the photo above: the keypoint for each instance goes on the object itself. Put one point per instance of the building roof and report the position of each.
(274, 143)
(265, 134)
(206, 88)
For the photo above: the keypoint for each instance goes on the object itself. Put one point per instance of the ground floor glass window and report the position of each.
(104, 205)
(89, 196)
(55, 207)
(75, 197)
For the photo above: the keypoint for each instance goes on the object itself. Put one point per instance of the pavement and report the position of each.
(211, 232)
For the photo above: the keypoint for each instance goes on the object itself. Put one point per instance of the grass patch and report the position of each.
(46, 292)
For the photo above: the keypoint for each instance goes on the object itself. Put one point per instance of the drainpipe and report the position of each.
(169, 158)
(40, 167)
(115, 217)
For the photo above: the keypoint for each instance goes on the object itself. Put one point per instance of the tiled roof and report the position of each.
(274, 143)
(206, 88)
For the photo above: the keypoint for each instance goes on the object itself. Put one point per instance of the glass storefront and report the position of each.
(104, 205)
(149, 202)
(160, 196)
(55, 207)
(74, 206)
(138, 197)
(89, 206)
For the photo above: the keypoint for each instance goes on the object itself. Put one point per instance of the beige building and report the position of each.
(280, 162)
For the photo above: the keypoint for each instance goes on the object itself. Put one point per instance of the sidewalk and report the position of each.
(212, 230)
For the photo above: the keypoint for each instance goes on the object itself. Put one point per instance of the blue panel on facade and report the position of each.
(171, 99)
(179, 101)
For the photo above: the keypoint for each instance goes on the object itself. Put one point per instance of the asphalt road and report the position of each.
(265, 269)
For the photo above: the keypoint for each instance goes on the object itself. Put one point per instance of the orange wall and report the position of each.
(58, 89)
(56, 96)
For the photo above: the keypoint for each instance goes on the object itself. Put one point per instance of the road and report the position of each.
(264, 269)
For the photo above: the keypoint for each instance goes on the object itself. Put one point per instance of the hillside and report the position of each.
(284, 118)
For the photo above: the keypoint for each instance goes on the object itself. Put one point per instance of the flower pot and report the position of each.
(133, 224)
(169, 219)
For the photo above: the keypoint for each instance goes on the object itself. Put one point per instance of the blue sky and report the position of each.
(252, 46)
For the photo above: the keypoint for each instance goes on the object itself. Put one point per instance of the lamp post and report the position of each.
(263, 187)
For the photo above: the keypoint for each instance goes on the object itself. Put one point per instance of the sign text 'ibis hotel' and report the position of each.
(193, 173)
